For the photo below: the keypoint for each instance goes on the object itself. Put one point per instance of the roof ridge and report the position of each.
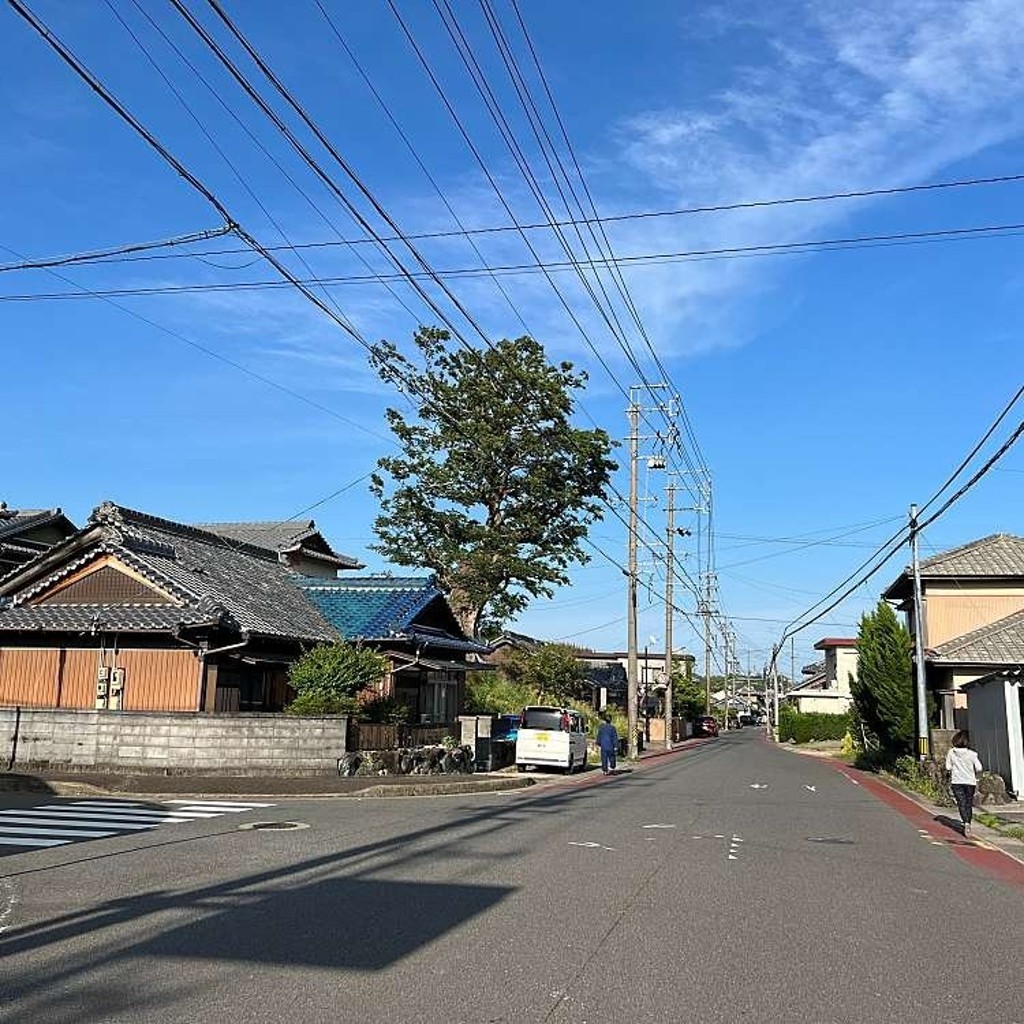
(972, 545)
(109, 513)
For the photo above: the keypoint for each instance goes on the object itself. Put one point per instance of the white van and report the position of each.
(551, 737)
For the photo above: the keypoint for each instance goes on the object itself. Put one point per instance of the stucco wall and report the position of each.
(951, 610)
(236, 744)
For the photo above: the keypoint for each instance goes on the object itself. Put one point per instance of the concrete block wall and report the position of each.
(172, 742)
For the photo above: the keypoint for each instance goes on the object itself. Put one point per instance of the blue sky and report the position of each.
(828, 390)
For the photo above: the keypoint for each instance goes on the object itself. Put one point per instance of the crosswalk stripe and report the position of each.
(102, 812)
(109, 818)
(46, 830)
(107, 803)
(46, 819)
(227, 804)
(132, 808)
(18, 841)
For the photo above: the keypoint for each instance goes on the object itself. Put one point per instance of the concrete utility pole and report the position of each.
(631, 649)
(670, 533)
(921, 700)
(775, 692)
(707, 642)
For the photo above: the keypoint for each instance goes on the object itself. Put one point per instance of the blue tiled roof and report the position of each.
(371, 607)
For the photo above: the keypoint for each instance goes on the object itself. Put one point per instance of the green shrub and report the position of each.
(927, 778)
(803, 727)
(322, 704)
(493, 693)
(331, 676)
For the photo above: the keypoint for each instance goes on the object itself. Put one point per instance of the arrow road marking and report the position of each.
(810, 789)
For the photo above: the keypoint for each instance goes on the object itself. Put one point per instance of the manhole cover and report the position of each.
(830, 840)
(260, 826)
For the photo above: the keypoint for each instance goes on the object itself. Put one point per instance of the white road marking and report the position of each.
(14, 841)
(46, 830)
(228, 805)
(102, 812)
(593, 846)
(657, 826)
(30, 818)
(733, 857)
(759, 785)
(810, 788)
(719, 835)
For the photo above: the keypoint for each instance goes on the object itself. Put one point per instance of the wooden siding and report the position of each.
(28, 677)
(105, 562)
(155, 679)
(952, 613)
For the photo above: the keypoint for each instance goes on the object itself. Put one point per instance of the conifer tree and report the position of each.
(883, 690)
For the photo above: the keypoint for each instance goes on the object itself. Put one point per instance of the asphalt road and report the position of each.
(676, 891)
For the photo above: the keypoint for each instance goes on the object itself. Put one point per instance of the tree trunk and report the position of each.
(467, 612)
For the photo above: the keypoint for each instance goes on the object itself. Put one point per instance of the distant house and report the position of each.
(27, 533)
(136, 612)
(507, 644)
(972, 597)
(297, 543)
(996, 707)
(410, 622)
(607, 673)
(826, 686)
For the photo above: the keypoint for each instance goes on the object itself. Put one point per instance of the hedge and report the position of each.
(802, 727)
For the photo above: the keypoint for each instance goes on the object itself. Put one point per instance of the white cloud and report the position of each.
(840, 98)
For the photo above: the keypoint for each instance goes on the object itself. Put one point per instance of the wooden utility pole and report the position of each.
(631, 648)
(669, 574)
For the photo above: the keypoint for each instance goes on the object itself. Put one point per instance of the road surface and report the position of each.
(733, 882)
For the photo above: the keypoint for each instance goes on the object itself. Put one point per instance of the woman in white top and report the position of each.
(964, 767)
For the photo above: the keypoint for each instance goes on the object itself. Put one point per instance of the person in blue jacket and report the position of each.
(608, 741)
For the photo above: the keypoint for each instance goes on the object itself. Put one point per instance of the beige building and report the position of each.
(826, 690)
(972, 621)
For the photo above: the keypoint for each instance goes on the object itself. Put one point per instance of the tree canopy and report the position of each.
(553, 671)
(883, 690)
(494, 489)
(329, 678)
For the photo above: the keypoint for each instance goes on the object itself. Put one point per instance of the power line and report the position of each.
(555, 266)
(95, 255)
(652, 214)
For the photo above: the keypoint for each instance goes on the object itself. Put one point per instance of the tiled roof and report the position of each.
(15, 521)
(999, 643)
(371, 607)
(388, 608)
(84, 618)
(835, 641)
(1002, 554)
(209, 575)
(997, 556)
(280, 536)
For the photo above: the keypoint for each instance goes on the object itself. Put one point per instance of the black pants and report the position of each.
(964, 796)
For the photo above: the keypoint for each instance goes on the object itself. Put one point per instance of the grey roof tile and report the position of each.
(207, 573)
(1001, 554)
(279, 536)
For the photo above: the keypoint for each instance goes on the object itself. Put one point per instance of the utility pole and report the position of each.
(775, 692)
(631, 651)
(669, 573)
(792, 662)
(921, 702)
(707, 642)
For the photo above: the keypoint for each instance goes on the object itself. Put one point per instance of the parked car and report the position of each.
(748, 719)
(705, 725)
(551, 737)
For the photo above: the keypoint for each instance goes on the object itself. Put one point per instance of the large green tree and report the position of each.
(494, 488)
(553, 671)
(883, 689)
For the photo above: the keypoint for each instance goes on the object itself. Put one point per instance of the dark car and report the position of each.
(705, 725)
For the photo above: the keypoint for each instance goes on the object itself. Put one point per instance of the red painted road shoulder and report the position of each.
(992, 861)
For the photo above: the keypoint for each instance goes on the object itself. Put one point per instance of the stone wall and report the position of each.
(233, 744)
